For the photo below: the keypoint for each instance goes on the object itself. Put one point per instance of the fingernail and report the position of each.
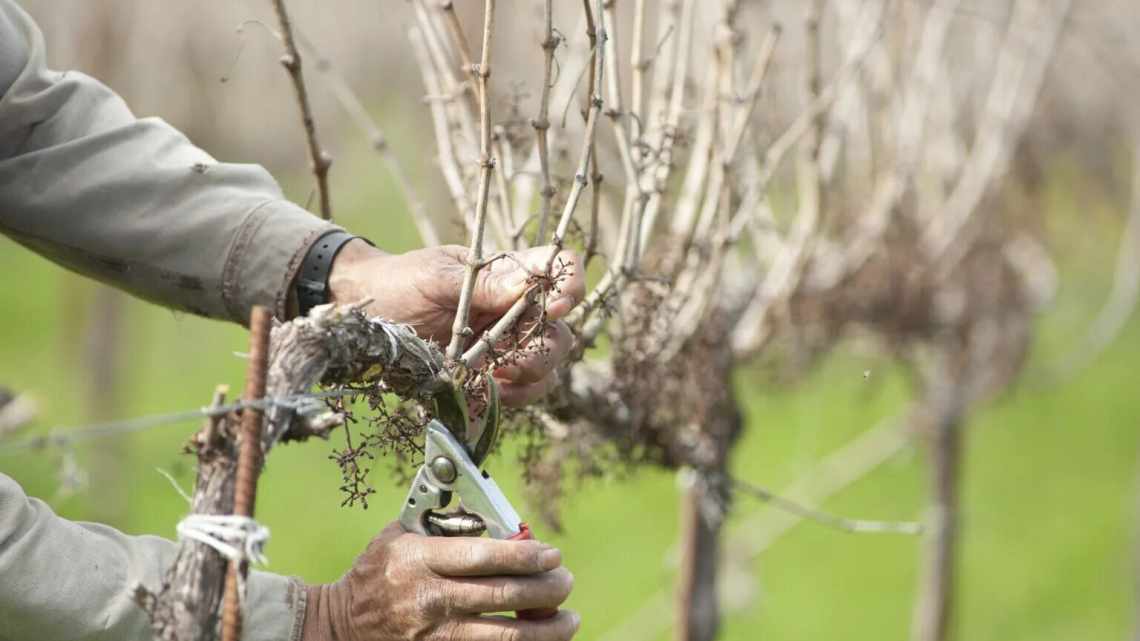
(576, 619)
(550, 558)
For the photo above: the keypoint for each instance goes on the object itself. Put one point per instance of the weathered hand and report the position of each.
(407, 586)
(421, 288)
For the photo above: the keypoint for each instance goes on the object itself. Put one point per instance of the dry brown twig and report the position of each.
(445, 151)
(452, 102)
(493, 335)
(499, 213)
(319, 160)
(541, 124)
(459, 330)
(354, 107)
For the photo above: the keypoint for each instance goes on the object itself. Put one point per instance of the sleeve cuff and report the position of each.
(265, 255)
(274, 608)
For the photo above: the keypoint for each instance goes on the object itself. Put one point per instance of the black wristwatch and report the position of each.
(312, 283)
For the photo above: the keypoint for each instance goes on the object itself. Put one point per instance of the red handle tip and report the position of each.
(534, 614)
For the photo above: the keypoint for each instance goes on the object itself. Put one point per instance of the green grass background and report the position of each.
(1050, 492)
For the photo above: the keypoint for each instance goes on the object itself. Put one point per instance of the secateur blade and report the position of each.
(488, 431)
(451, 409)
(477, 433)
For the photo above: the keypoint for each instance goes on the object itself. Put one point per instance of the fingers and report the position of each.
(533, 374)
(502, 594)
(506, 279)
(501, 283)
(570, 286)
(519, 395)
(466, 556)
(533, 365)
(560, 628)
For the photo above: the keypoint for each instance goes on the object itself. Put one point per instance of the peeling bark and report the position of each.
(187, 606)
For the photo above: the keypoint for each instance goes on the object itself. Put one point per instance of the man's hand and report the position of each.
(407, 586)
(421, 288)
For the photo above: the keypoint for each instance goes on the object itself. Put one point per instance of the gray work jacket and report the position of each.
(132, 202)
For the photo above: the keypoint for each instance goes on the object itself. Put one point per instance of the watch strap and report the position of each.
(312, 283)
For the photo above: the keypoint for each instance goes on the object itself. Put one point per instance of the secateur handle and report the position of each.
(533, 614)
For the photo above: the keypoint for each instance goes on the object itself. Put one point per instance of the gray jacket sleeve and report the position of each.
(66, 581)
(131, 201)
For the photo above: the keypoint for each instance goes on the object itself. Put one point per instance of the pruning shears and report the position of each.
(455, 445)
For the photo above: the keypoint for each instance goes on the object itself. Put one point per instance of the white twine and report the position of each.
(395, 344)
(237, 538)
(391, 330)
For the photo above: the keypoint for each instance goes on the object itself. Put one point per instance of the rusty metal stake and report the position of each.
(249, 459)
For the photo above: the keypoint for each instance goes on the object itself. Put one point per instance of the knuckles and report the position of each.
(434, 599)
(396, 595)
(477, 556)
(448, 631)
(502, 593)
(509, 633)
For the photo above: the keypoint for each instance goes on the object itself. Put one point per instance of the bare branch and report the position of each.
(460, 330)
(809, 181)
(635, 200)
(359, 114)
(541, 124)
(640, 65)
(446, 153)
(500, 215)
(459, 39)
(318, 158)
(861, 45)
(456, 97)
(916, 98)
(508, 320)
(1018, 77)
(571, 69)
(665, 108)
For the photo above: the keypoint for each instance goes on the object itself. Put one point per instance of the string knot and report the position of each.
(237, 538)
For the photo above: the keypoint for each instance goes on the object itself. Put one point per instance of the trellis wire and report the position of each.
(61, 437)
